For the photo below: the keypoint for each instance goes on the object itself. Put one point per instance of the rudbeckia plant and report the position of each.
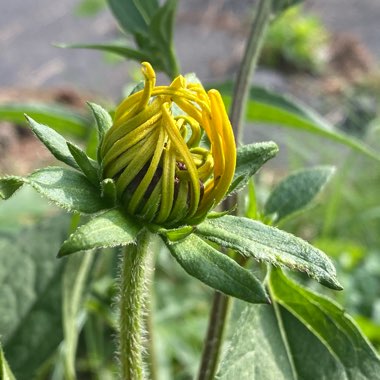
(166, 160)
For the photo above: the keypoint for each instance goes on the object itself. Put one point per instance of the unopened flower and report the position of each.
(170, 151)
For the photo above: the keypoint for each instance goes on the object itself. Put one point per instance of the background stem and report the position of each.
(132, 289)
(221, 303)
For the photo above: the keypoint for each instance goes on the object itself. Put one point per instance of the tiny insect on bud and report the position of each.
(156, 151)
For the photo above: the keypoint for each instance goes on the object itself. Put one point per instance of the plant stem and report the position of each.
(132, 289)
(221, 303)
(247, 66)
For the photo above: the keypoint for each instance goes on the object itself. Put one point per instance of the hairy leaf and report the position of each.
(265, 243)
(110, 229)
(249, 159)
(217, 270)
(296, 191)
(68, 189)
(30, 294)
(88, 166)
(56, 143)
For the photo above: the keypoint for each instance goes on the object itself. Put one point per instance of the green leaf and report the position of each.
(303, 336)
(88, 166)
(265, 243)
(109, 193)
(217, 270)
(249, 160)
(257, 349)
(53, 141)
(177, 234)
(68, 189)
(342, 348)
(128, 16)
(115, 48)
(9, 185)
(279, 6)
(268, 107)
(30, 294)
(5, 371)
(103, 121)
(296, 191)
(110, 229)
(64, 119)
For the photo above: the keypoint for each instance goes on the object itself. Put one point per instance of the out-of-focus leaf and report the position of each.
(68, 189)
(217, 270)
(118, 49)
(281, 5)
(56, 143)
(110, 229)
(249, 160)
(63, 119)
(30, 294)
(265, 243)
(268, 107)
(296, 191)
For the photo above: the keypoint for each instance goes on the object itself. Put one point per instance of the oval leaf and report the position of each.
(265, 243)
(9, 185)
(110, 229)
(296, 191)
(217, 270)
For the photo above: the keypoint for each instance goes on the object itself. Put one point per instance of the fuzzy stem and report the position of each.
(221, 303)
(132, 287)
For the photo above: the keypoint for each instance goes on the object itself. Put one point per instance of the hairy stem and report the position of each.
(221, 303)
(132, 289)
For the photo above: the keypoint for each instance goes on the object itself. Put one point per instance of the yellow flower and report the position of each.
(165, 170)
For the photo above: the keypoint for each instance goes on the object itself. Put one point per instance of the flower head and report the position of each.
(170, 151)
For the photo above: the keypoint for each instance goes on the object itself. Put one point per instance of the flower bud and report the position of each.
(170, 151)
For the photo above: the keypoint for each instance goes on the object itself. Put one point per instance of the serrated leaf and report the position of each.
(271, 108)
(5, 371)
(296, 191)
(88, 166)
(217, 270)
(30, 294)
(9, 185)
(56, 143)
(68, 189)
(340, 345)
(249, 159)
(103, 120)
(63, 119)
(110, 229)
(265, 243)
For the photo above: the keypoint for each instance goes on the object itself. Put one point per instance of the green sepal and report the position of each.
(5, 371)
(68, 189)
(249, 159)
(176, 234)
(216, 269)
(108, 191)
(88, 166)
(264, 243)
(56, 143)
(103, 122)
(9, 185)
(111, 229)
(297, 191)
